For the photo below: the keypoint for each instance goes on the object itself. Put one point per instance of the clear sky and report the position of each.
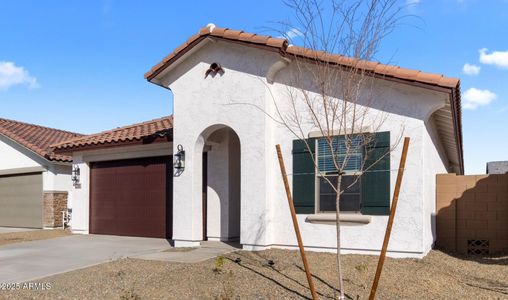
(79, 65)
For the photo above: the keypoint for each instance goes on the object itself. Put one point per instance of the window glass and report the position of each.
(339, 146)
(350, 198)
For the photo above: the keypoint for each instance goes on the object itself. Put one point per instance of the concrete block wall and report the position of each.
(470, 210)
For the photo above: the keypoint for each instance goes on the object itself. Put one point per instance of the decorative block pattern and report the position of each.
(478, 247)
(472, 213)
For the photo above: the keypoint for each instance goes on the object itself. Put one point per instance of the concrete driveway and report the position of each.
(14, 229)
(36, 259)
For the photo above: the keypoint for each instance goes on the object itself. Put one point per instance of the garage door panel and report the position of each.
(131, 197)
(21, 200)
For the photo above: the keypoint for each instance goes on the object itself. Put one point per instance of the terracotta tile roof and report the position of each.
(281, 45)
(408, 76)
(376, 67)
(161, 127)
(36, 138)
(277, 44)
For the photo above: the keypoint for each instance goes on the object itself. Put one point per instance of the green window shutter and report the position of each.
(303, 177)
(376, 181)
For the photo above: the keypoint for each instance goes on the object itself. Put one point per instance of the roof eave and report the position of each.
(214, 33)
(157, 69)
(125, 143)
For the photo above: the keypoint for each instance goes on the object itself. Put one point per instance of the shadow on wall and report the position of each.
(472, 216)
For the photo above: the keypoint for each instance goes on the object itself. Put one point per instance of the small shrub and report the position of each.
(129, 295)
(120, 274)
(219, 264)
(361, 267)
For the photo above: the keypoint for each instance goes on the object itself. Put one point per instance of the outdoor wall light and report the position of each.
(179, 163)
(75, 176)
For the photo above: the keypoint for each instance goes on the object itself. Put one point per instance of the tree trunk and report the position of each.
(337, 226)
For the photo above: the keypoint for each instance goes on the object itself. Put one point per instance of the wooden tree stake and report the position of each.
(295, 222)
(381, 261)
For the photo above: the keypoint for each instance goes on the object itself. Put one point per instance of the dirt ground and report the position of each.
(32, 235)
(437, 276)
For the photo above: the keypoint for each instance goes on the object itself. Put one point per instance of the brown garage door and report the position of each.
(132, 197)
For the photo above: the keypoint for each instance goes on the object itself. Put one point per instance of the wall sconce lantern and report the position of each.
(179, 163)
(75, 176)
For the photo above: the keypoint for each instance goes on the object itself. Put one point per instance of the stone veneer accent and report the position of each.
(54, 203)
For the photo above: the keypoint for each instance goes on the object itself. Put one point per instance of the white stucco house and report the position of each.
(35, 184)
(230, 187)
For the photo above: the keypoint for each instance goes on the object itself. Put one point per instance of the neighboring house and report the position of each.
(497, 167)
(34, 182)
(125, 180)
(231, 188)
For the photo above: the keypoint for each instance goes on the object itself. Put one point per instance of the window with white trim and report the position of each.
(350, 153)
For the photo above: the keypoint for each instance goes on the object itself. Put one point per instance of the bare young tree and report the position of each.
(332, 95)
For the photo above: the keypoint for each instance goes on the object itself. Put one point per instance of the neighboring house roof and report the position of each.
(497, 167)
(145, 132)
(37, 139)
(449, 116)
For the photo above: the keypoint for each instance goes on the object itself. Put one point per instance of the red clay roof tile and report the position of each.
(180, 48)
(407, 74)
(448, 81)
(217, 31)
(281, 44)
(154, 128)
(432, 78)
(204, 31)
(259, 39)
(193, 38)
(367, 65)
(37, 138)
(245, 36)
(275, 42)
(232, 34)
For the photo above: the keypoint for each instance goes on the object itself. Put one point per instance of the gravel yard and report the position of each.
(438, 276)
(31, 235)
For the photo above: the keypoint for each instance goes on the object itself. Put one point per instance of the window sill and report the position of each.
(346, 219)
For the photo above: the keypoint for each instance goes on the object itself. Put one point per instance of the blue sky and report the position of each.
(79, 65)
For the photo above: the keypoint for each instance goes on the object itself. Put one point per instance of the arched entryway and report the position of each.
(221, 184)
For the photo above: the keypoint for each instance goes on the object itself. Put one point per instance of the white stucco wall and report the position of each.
(237, 99)
(81, 194)
(217, 190)
(223, 193)
(58, 178)
(203, 107)
(80, 197)
(411, 230)
(17, 159)
(13, 156)
(435, 162)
